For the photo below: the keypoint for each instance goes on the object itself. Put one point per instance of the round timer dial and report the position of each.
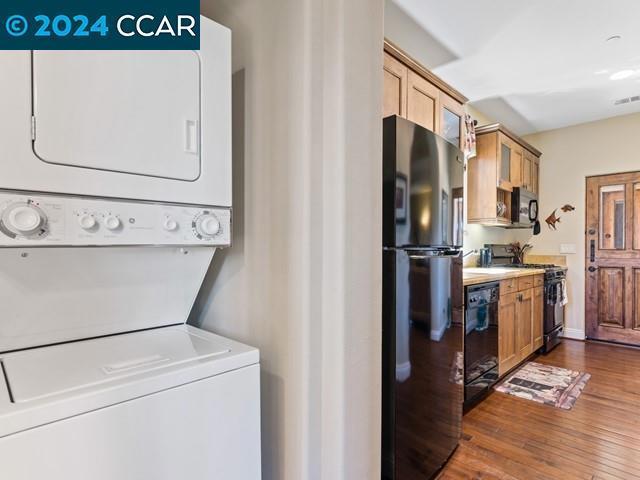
(206, 225)
(24, 219)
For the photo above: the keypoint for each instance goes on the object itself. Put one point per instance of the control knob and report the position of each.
(112, 222)
(207, 225)
(170, 225)
(24, 219)
(87, 221)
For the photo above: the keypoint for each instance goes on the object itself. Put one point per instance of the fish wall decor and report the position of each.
(553, 219)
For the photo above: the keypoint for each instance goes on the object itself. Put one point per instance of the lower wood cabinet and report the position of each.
(524, 323)
(507, 350)
(520, 322)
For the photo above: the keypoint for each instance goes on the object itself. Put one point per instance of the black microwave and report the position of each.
(524, 208)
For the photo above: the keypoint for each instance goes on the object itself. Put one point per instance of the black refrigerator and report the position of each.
(422, 324)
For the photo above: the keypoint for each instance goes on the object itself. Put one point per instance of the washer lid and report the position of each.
(109, 361)
(132, 112)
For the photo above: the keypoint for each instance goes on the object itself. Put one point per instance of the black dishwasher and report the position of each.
(481, 340)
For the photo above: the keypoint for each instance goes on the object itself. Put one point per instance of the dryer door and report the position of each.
(123, 111)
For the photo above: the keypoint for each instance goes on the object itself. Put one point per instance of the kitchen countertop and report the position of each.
(474, 276)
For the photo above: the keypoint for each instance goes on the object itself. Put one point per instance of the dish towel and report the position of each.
(564, 299)
(469, 137)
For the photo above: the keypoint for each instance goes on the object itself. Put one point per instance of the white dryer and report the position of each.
(115, 194)
(147, 125)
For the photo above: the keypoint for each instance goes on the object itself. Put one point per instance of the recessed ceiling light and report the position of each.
(613, 38)
(622, 74)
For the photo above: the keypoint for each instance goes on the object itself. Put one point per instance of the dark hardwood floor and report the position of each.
(510, 438)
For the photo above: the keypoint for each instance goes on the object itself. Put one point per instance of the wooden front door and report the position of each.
(612, 307)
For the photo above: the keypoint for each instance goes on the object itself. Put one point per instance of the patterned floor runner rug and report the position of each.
(546, 384)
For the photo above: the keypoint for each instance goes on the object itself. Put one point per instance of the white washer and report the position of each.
(162, 404)
(115, 193)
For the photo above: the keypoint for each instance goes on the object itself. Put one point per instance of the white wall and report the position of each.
(568, 156)
(303, 279)
(405, 32)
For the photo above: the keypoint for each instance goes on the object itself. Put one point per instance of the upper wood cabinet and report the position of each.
(530, 170)
(395, 87)
(503, 161)
(451, 120)
(413, 92)
(422, 102)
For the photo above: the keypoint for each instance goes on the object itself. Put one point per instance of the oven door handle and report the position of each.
(533, 210)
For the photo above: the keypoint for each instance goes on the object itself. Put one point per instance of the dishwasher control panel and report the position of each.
(35, 219)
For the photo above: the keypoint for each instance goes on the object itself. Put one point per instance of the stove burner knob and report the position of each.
(86, 221)
(112, 222)
(208, 225)
(24, 219)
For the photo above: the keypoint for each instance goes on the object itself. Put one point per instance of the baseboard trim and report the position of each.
(574, 333)
(436, 334)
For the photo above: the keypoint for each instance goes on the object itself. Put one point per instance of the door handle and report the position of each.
(592, 269)
(592, 251)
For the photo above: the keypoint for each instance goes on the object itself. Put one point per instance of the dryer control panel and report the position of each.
(63, 220)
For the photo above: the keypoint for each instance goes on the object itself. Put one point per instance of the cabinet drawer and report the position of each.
(525, 283)
(538, 280)
(507, 286)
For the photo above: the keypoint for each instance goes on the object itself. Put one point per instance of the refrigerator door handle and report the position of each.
(432, 254)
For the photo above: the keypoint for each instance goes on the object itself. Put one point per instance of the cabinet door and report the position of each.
(422, 102)
(394, 87)
(535, 176)
(524, 319)
(504, 163)
(528, 172)
(507, 349)
(451, 120)
(538, 312)
(517, 165)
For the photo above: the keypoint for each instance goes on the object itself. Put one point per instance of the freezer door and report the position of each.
(423, 177)
(422, 362)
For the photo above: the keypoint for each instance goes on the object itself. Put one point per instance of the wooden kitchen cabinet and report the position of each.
(524, 323)
(422, 102)
(451, 119)
(395, 87)
(413, 92)
(507, 349)
(503, 161)
(517, 159)
(534, 186)
(520, 320)
(538, 318)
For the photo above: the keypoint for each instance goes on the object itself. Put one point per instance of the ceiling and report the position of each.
(536, 65)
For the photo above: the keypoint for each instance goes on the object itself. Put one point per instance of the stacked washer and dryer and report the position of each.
(115, 192)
